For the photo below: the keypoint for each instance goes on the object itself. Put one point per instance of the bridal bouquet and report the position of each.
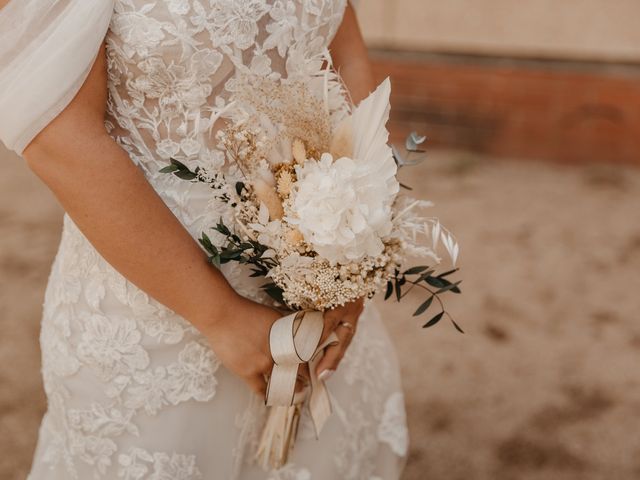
(315, 201)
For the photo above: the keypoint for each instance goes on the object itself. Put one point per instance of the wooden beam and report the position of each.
(560, 111)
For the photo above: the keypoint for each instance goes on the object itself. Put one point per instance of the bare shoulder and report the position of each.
(82, 119)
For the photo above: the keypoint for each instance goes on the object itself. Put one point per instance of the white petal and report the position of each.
(450, 245)
(256, 227)
(456, 251)
(263, 214)
(369, 121)
(435, 235)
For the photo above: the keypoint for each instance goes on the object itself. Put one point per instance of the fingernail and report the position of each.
(325, 375)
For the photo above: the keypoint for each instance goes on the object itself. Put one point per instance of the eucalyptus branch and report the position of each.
(235, 249)
(425, 275)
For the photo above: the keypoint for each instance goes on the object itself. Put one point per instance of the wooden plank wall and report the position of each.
(562, 111)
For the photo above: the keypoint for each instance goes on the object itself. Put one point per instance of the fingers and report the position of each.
(331, 320)
(334, 353)
(349, 312)
(342, 321)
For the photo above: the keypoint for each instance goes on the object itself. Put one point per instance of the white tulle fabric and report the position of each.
(46, 50)
(134, 391)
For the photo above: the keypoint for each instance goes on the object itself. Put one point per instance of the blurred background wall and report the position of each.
(544, 79)
(601, 30)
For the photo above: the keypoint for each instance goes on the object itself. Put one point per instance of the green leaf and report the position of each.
(424, 276)
(231, 254)
(205, 241)
(452, 286)
(447, 273)
(274, 292)
(180, 170)
(398, 289)
(434, 320)
(424, 307)
(215, 260)
(258, 273)
(222, 228)
(179, 164)
(437, 282)
(415, 270)
(389, 291)
(169, 169)
(457, 326)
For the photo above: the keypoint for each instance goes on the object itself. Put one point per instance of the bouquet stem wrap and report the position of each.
(294, 340)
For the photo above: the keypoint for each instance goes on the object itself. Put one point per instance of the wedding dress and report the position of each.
(134, 391)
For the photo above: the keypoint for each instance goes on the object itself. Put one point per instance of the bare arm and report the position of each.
(351, 58)
(110, 200)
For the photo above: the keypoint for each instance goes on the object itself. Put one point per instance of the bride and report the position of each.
(154, 362)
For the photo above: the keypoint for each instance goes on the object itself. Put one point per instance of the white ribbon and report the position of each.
(295, 340)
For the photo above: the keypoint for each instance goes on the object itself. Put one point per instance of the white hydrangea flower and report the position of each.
(344, 207)
(340, 211)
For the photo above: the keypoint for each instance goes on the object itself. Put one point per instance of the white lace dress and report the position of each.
(134, 392)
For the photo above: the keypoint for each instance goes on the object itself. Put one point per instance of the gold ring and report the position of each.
(348, 325)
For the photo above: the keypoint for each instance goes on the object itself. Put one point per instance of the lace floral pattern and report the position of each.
(139, 464)
(393, 426)
(111, 346)
(115, 359)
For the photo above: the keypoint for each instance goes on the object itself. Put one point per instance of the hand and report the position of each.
(343, 321)
(241, 341)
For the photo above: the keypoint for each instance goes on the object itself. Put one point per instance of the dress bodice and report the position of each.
(172, 66)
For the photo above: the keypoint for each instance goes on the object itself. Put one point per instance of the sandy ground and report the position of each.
(545, 383)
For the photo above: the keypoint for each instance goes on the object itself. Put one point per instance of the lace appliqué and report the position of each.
(366, 368)
(290, 472)
(393, 425)
(111, 346)
(139, 464)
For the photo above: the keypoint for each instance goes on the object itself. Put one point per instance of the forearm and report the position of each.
(118, 211)
(351, 58)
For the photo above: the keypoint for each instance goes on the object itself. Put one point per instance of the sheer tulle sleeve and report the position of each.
(47, 48)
